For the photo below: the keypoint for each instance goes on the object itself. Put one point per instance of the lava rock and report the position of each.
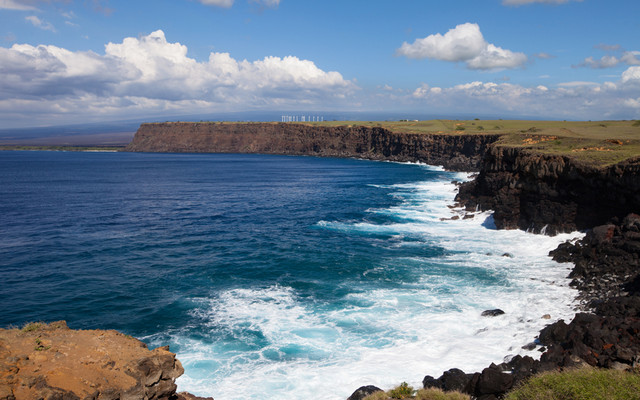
(364, 391)
(492, 313)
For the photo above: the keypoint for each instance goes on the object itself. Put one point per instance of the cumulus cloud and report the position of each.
(464, 43)
(631, 75)
(615, 55)
(609, 61)
(522, 2)
(150, 73)
(575, 100)
(38, 23)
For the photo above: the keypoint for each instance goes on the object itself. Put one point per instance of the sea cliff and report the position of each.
(551, 193)
(526, 188)
(455, 151)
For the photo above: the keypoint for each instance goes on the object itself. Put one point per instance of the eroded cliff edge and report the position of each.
(526, 188)
(457, 152)
(551, 193)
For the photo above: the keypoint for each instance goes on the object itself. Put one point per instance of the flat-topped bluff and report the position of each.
(552, 176)
(456, 152)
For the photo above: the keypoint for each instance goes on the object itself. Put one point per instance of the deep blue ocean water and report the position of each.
(270, 276)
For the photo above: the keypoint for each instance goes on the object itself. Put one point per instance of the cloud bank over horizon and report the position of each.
(69, 61)
(150, 73)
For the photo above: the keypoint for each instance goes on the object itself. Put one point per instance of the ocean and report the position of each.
(273, 277)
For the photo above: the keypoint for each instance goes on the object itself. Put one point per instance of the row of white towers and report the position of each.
(302, 118)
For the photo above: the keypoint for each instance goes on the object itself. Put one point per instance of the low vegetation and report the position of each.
(404, 391)
(580, 384)
(598, 143)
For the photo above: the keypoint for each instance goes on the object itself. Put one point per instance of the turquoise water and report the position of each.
(271, 276)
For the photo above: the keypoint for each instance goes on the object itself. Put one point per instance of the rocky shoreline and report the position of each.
(527, 190)
(605, 333)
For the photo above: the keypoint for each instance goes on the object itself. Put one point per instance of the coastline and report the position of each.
(607, 287)
(526, 188)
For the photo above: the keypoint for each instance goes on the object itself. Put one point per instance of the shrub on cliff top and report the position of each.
(33, 326)
(422, 394)
(585, 383)
(439, 394)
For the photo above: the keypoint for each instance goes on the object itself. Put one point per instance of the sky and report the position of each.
(76, 61)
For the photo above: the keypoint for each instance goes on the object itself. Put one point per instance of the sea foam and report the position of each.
(406, 317)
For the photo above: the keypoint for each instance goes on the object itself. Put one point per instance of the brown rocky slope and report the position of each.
(53, 362)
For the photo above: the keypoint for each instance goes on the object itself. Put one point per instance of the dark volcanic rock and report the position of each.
(492, 313)
(549, 193)
(454, 152)
(363, 392)
(453, 379)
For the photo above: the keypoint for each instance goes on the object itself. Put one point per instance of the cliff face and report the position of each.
(527, 190)
(532, 191)
(455, 152)
(51, 361)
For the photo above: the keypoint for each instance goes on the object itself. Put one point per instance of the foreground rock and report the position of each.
(51, 361)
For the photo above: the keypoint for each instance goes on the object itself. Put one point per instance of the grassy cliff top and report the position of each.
(595, 143)
(598, 143)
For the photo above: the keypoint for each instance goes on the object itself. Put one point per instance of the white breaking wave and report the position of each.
(287, 347)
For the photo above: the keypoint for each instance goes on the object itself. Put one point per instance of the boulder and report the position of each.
(364, 391)
(492, 313)
(454, 379)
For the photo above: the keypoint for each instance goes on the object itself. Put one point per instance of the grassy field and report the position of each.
(599, 143)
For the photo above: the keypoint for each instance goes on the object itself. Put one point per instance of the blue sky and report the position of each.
(72, 61)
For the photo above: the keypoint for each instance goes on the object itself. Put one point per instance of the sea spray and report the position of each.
(402, 318)
(272, 277)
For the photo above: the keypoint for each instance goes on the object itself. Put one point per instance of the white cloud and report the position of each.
(149, 73)
(16, 5)
(631, 75)
(632, 103)
(609, 61)
(570, 100)
(631, 57)
(218, 3)
(577, 84)
(522, 2)
(494, 57)
(38, 23)
(544, 56)
(464, 43)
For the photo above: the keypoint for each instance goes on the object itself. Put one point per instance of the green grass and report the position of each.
(597, 143)
(33, 326)
(580, 384)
